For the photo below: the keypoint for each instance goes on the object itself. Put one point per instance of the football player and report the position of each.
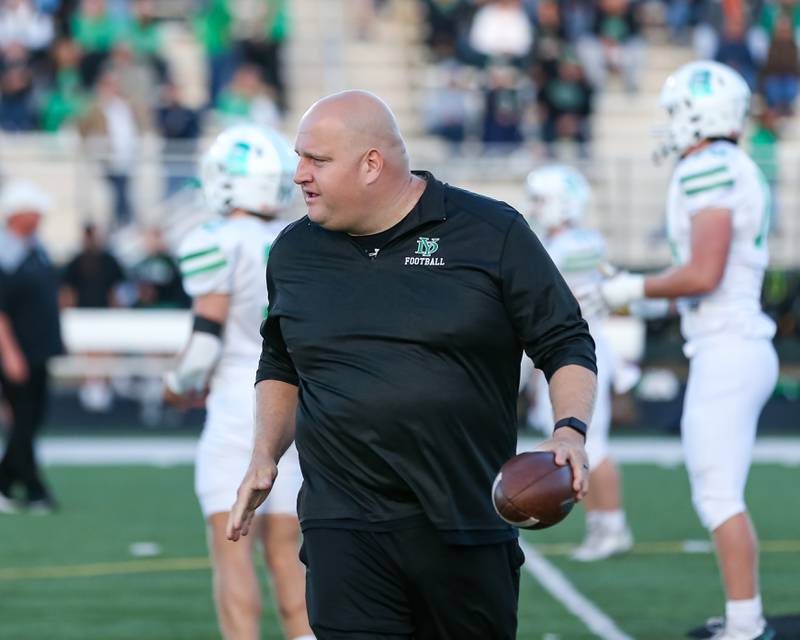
(559, 197)
(718, 211)
(246, 177)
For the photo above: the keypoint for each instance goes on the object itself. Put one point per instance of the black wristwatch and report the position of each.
(573, 423)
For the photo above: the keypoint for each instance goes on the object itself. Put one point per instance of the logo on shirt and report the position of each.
(426, 247)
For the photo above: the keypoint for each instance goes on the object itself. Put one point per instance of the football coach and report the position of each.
(398, 311)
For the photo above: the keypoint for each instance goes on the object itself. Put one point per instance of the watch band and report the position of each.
(573, 423)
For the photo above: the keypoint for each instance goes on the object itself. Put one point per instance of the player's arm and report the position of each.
(186, 383)
(711, 233)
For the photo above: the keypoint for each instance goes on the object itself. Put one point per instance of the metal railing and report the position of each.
(629, 192)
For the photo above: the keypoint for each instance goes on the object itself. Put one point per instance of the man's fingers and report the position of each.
(580, 474)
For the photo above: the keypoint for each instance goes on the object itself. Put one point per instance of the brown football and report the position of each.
(532, 491)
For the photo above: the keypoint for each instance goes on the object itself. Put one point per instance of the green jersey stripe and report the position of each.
(210, 267)
(716, 185)
(582, 264)
(199, 254)
(709, 172)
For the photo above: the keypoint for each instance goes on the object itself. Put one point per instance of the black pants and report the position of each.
(408, 584)
(28, 403)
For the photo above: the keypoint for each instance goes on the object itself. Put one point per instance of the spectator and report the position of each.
(96, 34)
(144, 37)
(180, 128)
(137, 78)
(501, 30)
(503, 109)
(264, 49)
(365, 15)
(550, 42)
(445, 109)
(157, 277)
(615, 45)
(91, 278)
(734, 51)
(65, 99)
(445, 21)
(17, 111)
(111, 128)
(29, 336)
(212, 27)
(577, 16)
(247, 99)
(778, 79)
(565, 105)
(22, 23)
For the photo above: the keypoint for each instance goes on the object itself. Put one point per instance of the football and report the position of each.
(532, 492)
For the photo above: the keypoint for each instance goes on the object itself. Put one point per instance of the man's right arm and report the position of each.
(276, 404)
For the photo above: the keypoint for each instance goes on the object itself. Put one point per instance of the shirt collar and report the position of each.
(430, 206)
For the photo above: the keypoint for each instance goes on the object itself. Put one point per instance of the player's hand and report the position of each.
(590, 298)
(621, 289)
(185, 401)
(569, 448)
(252, 492)
(15, 367)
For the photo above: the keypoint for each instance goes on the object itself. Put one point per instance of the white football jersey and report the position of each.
(578, 253)
(722, 176)
(229, 256)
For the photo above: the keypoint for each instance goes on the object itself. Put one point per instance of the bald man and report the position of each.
(398, 311)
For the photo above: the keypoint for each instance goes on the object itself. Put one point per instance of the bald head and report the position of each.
(360, 120)
(353, 167)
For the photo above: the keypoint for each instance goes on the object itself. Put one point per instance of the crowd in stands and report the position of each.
(101, 67)
(507, 71)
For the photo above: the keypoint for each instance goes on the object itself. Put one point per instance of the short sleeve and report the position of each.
(205, 264)
(275, 362)
(545, 315)
(710, 183)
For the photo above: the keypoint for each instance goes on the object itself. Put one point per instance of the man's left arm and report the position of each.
(548, 321)
(572, 394)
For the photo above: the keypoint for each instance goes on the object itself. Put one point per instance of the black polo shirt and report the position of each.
(408, 363)
(29, 297)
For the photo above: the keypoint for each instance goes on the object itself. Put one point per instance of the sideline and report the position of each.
(557, 585)
(171, 450)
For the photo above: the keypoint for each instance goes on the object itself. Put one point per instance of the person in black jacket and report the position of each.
(398, 311)
(29, 336)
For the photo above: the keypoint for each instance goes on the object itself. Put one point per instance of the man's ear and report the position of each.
(373, 165)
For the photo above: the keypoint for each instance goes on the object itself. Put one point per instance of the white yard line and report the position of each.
(557, 585)
(166, 450)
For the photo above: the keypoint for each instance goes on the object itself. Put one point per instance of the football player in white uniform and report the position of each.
(247, 179)
(559, 196)
(718, 217)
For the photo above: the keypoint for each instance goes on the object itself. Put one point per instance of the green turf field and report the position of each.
(72, 576)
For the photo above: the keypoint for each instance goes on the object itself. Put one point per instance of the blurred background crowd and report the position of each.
(106, 104)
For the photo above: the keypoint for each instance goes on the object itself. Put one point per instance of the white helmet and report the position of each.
(559, 193)
(248, 167)
(704, 100)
